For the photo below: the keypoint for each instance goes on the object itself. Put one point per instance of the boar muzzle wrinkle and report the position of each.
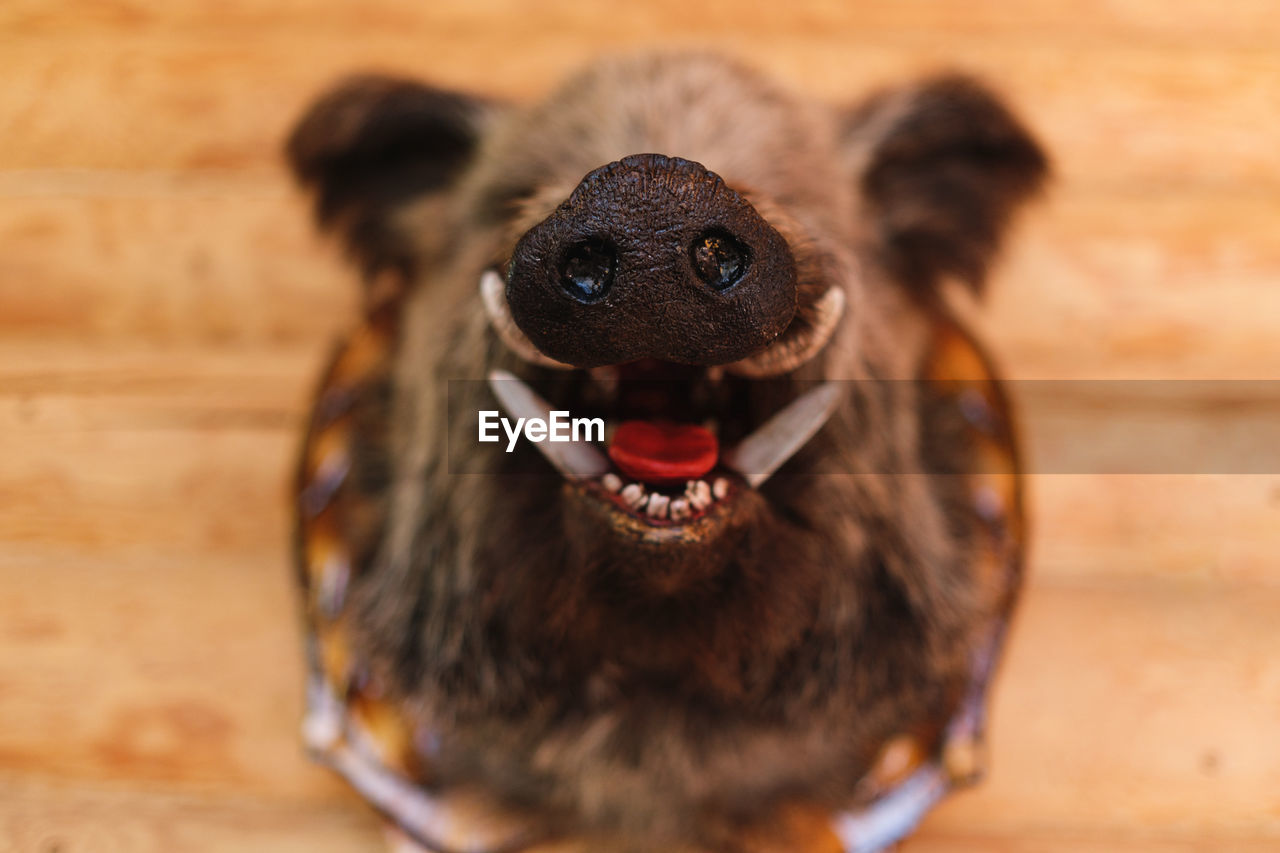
(494, 298)
(794, 349)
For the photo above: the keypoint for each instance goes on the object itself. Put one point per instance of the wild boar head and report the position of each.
(756, 586)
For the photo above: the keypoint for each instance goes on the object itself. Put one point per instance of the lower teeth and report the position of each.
(698, 493)
(698, 497)
(633, 495)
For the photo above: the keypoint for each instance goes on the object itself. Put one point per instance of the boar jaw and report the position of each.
(752, 460)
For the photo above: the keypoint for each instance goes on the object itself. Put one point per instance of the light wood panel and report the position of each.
(1166, 283)
(191, 260)
(1117, 113)
(1203, 527)
(1188, 21)
(43, 818)
(1135, 704)
(164, 668)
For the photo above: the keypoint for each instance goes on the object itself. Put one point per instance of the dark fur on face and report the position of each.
(612, 684)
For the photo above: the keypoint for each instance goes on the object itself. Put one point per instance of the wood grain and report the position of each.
(1116, 117)
(214, 261)
(164, 306)
(42, 818)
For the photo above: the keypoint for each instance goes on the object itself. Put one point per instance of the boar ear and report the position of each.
(942, 166)
(373, 143)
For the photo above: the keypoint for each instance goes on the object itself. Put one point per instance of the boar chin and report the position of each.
(661, 560)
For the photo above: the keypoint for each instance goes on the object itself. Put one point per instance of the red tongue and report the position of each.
(663, 452)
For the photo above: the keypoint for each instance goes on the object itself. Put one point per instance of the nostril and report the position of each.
(719, 258)
(587, 270)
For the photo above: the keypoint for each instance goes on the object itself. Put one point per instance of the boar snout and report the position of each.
(652, 257)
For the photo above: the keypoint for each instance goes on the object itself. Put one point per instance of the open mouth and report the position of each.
(681, 443)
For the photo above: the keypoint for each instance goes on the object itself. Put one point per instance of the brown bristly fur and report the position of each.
(642, 694)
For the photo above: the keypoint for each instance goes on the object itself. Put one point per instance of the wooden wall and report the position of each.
(164, 307)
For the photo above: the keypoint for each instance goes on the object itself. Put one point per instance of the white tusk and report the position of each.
(577, 460)
(788, 353)
(758, 455)
(493, 295)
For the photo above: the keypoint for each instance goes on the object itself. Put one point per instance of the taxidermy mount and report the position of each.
(761, 609)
